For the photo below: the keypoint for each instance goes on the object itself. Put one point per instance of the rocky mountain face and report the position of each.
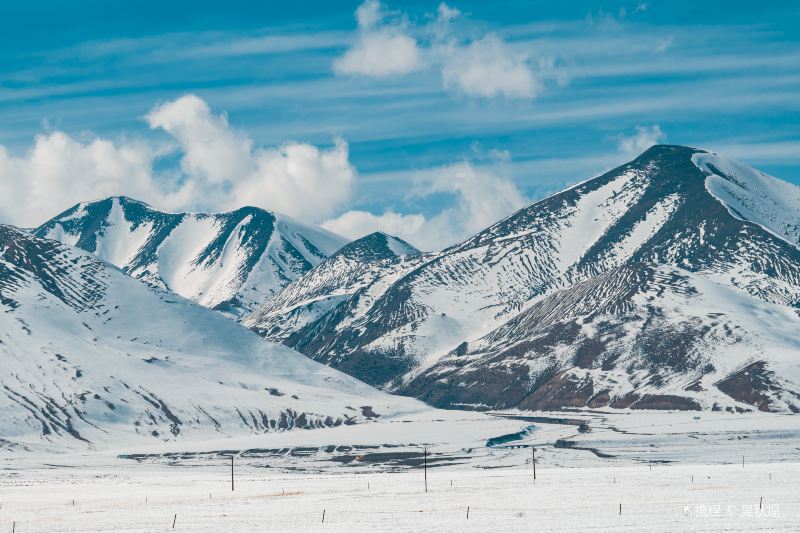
(93, 358)
(349, 270)
(432, 325)
(639, 336)
(229, 262)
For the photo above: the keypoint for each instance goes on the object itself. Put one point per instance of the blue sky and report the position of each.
(469, 105)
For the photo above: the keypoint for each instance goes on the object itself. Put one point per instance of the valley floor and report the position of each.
(668, 471)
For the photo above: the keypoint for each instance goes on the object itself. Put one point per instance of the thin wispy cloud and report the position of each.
(554, 85)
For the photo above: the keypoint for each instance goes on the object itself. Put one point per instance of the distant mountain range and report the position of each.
(671, 282)
(683, 269)
(225, 261)
(94, 358)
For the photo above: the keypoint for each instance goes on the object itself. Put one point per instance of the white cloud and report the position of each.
(382, 48)
(483, 196)
(220, 169)
(446, 13)
(644, 138)
(369, 14)
(226, 171)
(60, 171)
(480, 197)
(356, 223)
(380, 53)
(298, 179)
(211, 149)
(487, 68)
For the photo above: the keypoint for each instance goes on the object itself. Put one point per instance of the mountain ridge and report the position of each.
(227, 261)
(347, 271)
(96, 359)
(655, 209)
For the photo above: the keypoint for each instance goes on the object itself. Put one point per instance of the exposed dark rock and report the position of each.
(752, 385)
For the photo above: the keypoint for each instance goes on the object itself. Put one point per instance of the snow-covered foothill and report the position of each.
(94, 359)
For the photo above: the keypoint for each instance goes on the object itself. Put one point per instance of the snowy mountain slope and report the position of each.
(640, 335)
(753, 196)
(226, 261)
(377, 246)
(94, 358)
(655, 209)
(350, 269)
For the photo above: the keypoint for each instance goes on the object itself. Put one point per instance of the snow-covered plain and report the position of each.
(696, 480)
(721, 498)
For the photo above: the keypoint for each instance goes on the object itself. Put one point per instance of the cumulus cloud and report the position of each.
(221, 163)
(60, 170)
(382, 46)
(211, 149)
(644, 138)
(487, 68)
(299, 179)
(479, 197)
(220, 169)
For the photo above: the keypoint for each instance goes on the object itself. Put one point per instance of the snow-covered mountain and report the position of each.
(334, 280)
(640, 335)
(674, 206)
(227, 261)
(94, 358)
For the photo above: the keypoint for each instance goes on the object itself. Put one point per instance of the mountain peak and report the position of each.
(228, 261)
(128, 202)
(675, 206)
(377, 246)
(669, 148)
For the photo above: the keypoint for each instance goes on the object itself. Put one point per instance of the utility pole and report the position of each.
(425, 465)
(533, 460)
(231, 473)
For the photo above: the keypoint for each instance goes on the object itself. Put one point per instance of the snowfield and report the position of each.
(701, 487)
